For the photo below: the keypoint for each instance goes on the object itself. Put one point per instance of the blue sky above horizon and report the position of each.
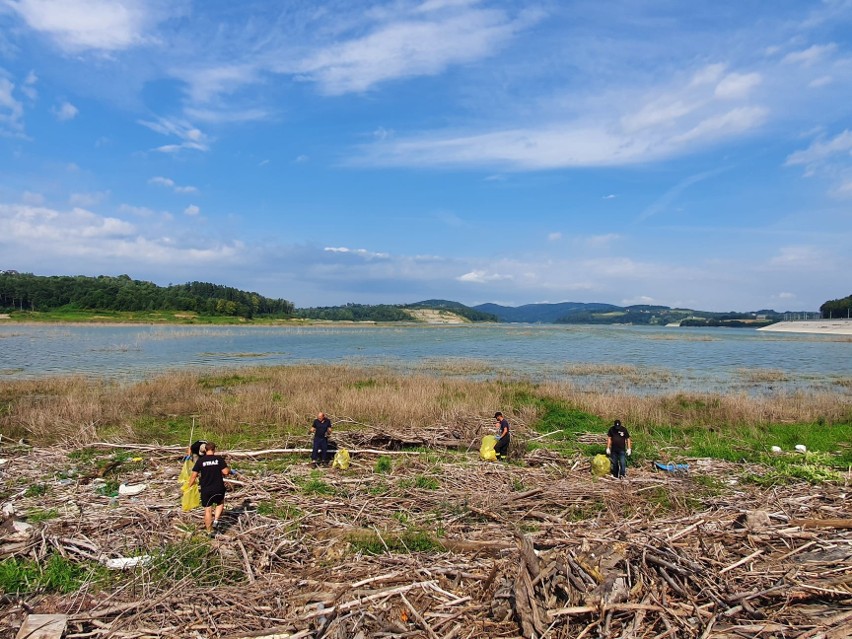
(686, 154)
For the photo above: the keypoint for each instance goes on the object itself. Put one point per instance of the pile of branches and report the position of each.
(434, 548)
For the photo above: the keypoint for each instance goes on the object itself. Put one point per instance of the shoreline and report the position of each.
(821, 327)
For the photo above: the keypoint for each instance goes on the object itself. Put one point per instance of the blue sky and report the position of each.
(694, 154)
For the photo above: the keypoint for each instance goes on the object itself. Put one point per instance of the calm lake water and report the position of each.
(612, 358)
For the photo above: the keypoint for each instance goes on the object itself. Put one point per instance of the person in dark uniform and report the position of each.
(196, 449)
(502, 445)
(618, 447)
(321, 428)
(210, 471)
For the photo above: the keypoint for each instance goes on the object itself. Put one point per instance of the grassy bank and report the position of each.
(272, 406)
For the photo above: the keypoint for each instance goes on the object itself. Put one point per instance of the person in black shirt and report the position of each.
(321, 428)
(196, 449)
(618, 447)
(210, 471)
(502, 445)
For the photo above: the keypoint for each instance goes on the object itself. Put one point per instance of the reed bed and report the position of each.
(265, 403)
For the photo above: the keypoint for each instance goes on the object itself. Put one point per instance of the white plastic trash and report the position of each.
(801, 448)
(126, 563)
(134, 489)
(777, 450)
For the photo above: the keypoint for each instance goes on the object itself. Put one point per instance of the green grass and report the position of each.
(192, 559)
(37, 515)
(277, 510)
(57, 575)
(315, 485)
(35, 490)
(384, 464)
(422, 482)
(410, 541)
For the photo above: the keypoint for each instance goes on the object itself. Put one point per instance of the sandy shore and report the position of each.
(826, 327)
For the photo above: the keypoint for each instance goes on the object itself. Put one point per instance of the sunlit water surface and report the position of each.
(608, 358)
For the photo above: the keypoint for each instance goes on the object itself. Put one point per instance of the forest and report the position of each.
(28, 292)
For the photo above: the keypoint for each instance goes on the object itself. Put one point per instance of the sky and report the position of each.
(688, 154)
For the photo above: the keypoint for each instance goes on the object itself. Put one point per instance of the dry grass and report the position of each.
(277, 403)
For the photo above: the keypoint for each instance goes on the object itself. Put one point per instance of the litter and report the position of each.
(601, 465)
(486, 450)
(801, 448)
(126, 563)
(341, 459)
(134, 489)
(672, 467)
(776, 449)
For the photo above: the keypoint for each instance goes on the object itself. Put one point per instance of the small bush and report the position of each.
(384, 464)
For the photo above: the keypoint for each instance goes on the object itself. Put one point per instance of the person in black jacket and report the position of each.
(321, 429)
(210, 470)
(502, 445)
(618, 447)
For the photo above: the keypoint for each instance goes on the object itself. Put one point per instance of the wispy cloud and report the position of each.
(831, 158)
(170, 184)
(65, 112)
(363, 253)
(190, 136)
(11, 109)
(192, 210)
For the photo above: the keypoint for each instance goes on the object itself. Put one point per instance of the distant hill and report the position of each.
(393, 312)
(542, 313)
(473, 314)
(592, 313)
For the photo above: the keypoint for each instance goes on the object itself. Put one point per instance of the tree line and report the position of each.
(25, 291)
(837, 308)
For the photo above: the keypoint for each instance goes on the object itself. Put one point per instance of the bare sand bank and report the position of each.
(826, 327)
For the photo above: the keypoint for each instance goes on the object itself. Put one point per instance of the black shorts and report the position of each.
(212, 499)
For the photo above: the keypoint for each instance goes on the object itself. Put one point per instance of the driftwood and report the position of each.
(507, 550)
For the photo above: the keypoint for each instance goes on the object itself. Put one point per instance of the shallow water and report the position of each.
(612, 358)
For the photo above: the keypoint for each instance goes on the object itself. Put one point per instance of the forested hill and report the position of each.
(24, 291)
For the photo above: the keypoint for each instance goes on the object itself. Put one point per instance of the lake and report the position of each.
(609, 358)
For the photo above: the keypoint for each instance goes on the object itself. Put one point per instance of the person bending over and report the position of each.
(502, 445)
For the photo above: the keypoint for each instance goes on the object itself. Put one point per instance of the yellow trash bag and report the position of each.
(191, 496)
(486, 450)
(601, 465)
(341, 459)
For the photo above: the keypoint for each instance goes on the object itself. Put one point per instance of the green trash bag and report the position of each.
(601, 465)
(486, 450)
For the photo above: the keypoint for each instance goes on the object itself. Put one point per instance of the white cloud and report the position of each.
(80, 25)
(192, 210)
(554, 237)
(28, 88)
(28, 197)
(799, 257)
(737, 85)
(11, 110)
(601, 241)
(357, 252)
(822, 150)
(483, 277)
(192, 137)
(406, 48)
(65, 111)
(170, 184)
(810, 56)
(609, 197)
(60, 237)
(822, 81)
(87, 199)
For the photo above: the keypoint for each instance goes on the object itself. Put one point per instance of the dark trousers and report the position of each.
(502, 446)
(619, 464)
(319, 453)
